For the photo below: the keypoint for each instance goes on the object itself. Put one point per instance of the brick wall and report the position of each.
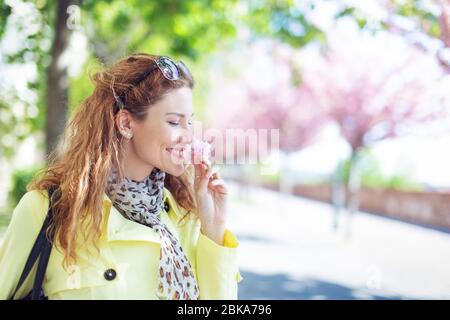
(428, 208)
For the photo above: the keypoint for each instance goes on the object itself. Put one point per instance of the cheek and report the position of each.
(168, 136)
(155, 139)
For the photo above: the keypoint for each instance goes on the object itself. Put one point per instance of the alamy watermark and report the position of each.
(73, 21)
(236, 145)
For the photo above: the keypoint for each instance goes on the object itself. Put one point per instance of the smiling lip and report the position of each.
(178, 152)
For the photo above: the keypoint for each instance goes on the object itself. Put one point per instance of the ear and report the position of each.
(123, 121)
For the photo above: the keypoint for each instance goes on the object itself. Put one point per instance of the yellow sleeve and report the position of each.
(217, 269)
(230, 241)
(26, 221)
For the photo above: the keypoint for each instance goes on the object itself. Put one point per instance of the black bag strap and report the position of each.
(42, 247)
(42, 264)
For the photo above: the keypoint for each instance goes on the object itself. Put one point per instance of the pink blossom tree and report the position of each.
(436, 27)
(373, 87)
(267, 96)
(424, 24)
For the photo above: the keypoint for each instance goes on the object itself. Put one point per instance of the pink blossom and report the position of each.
(199, 152)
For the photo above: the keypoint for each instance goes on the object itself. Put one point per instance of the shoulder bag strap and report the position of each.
(41, 244)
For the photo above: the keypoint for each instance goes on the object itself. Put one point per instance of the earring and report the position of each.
(127, 135)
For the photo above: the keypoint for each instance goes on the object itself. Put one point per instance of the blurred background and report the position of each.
(352, 203)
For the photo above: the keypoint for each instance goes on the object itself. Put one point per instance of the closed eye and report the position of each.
(177, 123)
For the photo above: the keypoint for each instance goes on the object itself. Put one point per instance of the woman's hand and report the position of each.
(211, 197)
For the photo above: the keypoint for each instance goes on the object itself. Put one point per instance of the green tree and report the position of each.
(190, 29)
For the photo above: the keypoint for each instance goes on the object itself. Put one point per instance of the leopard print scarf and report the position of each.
(142, 201)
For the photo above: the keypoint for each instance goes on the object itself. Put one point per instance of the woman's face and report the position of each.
(159, 139)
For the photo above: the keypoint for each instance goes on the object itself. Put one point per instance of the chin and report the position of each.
(175, 170)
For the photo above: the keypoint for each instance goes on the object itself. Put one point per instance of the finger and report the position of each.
(219, 186)
(202, 185)
(200, 169)
(210, 171)
(217, 182)
(217, 174)
(214, 171)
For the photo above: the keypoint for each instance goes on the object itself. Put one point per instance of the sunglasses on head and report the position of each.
(170, 70)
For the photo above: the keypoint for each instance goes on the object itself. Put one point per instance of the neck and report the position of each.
(133, 167)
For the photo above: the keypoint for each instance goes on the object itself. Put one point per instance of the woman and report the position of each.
(132, 221)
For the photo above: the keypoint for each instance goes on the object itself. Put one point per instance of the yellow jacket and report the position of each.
(132, 250)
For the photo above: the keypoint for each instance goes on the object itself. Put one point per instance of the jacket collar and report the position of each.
(119, 228)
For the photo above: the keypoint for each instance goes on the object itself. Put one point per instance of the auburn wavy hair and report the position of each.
(91, 144)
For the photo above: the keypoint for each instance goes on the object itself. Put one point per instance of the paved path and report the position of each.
(288, 251)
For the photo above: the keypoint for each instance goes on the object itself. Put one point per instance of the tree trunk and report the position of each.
(286, 183)
(57, 78)
(338, 191)
(353, 185)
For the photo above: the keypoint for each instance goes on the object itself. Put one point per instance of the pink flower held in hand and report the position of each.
(200, 152)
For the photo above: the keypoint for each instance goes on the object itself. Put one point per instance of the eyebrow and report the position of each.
(178, 114)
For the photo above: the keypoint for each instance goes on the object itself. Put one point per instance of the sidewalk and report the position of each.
(288, 251)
